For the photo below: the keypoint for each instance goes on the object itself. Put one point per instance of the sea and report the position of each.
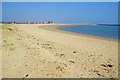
(100, 31)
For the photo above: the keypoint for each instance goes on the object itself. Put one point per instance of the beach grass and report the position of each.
(5, 26)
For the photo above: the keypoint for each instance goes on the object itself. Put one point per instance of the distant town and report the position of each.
(51, 22)
(14, 22)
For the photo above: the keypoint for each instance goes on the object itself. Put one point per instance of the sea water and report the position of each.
(101, 31)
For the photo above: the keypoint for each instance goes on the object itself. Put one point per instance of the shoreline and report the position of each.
(56, 28)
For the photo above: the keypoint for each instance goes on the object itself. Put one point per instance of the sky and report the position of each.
(0, 12)
(60, 0)
(61, 12)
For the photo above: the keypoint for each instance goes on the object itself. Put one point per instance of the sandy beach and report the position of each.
(0, 51)
(42, 51)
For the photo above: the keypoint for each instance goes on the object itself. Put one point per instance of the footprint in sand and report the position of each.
(37, 43)
(62, 55)
(47, 46)
(71, 61)
(107, 65)
(74, 51)
(28, 48)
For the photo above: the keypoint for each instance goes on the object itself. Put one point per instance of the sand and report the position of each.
(0, 51)
(42, 51)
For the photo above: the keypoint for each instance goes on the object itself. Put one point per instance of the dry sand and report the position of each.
(41, 51)
(0, 51)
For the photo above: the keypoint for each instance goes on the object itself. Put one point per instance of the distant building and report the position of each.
(50, 22)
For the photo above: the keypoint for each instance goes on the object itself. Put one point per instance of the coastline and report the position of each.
(56, 28)
(43, 51)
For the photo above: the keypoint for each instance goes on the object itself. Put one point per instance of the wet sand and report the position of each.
(42, 51)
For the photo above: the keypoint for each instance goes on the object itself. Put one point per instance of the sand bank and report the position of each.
(41, 51)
